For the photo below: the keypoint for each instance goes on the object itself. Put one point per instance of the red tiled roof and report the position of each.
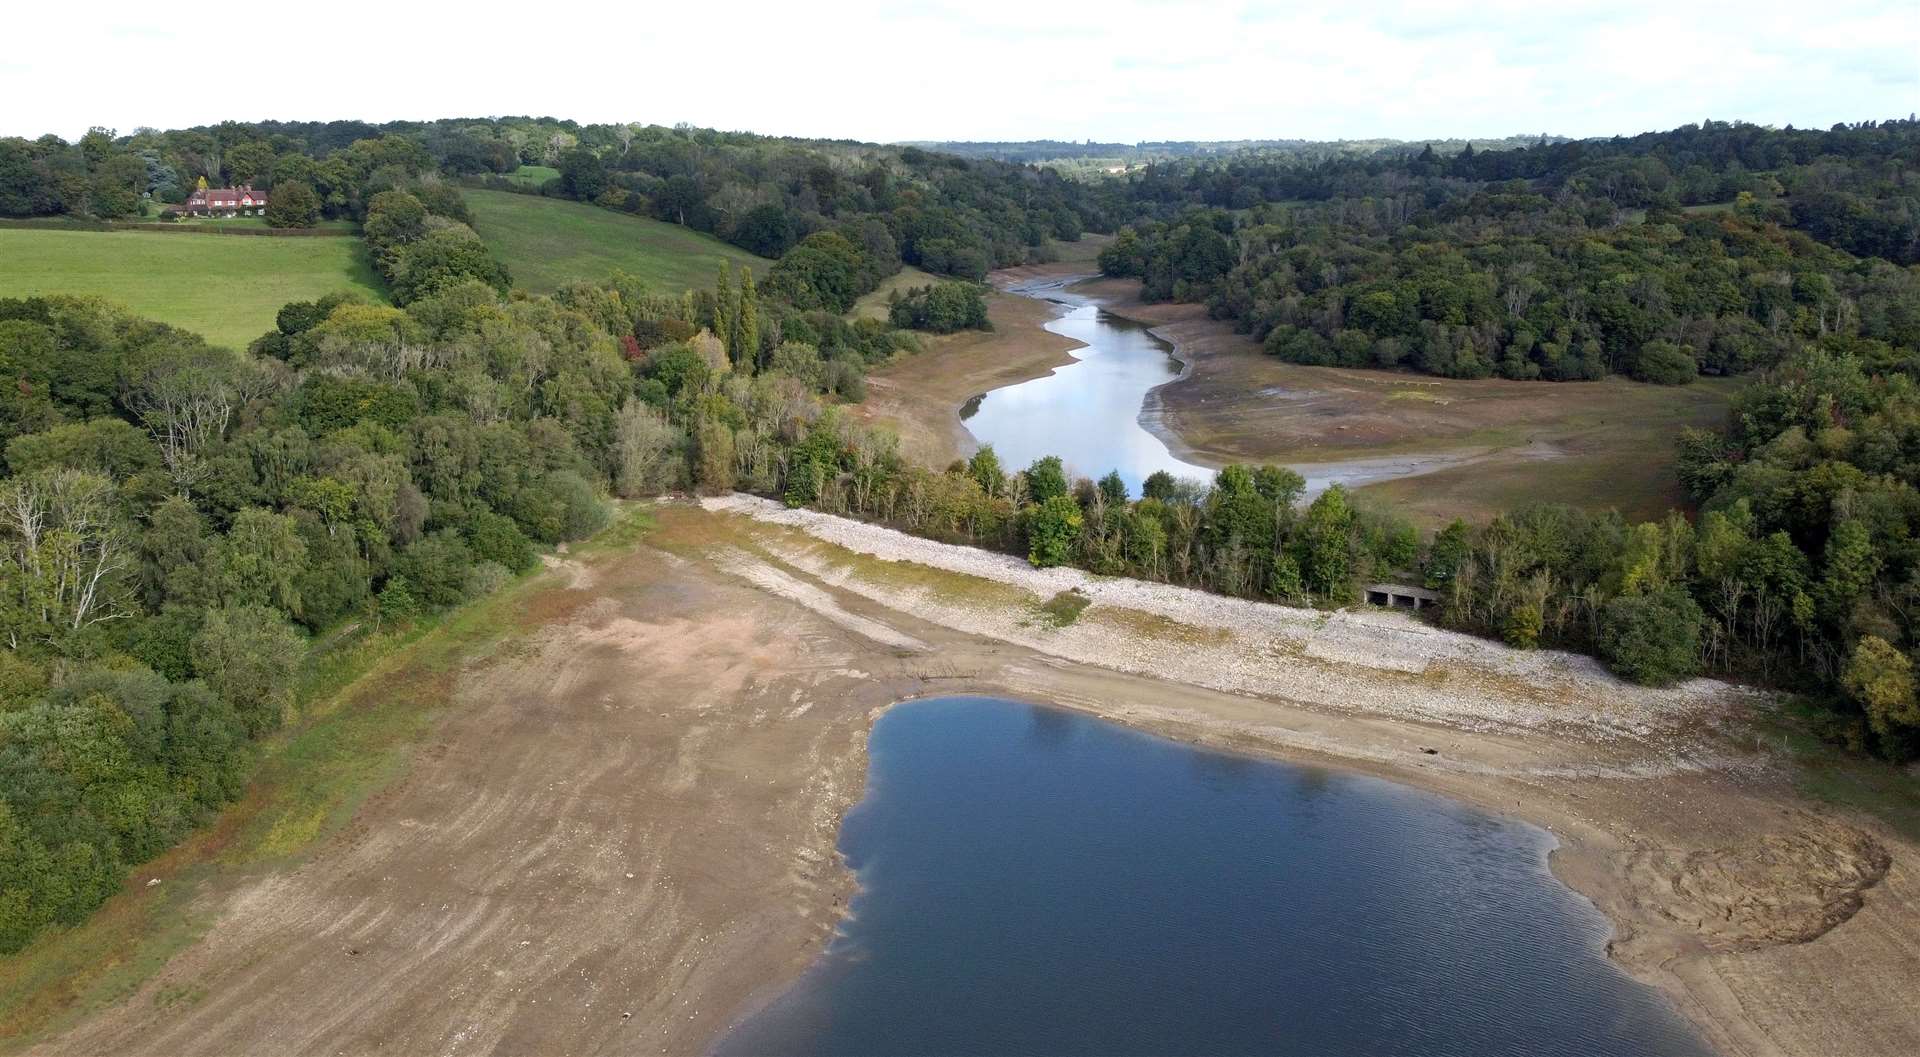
(226, 196)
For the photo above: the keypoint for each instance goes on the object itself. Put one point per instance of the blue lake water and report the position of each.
(1033, 881)
(1087, 412)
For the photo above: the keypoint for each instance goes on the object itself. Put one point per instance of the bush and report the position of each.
(486, 578)
(558, 507)
(497, 538)
(845, 380)
(1052, 527)
(1651, 639)
(1663, 363)
(247, 655)
(436, 568)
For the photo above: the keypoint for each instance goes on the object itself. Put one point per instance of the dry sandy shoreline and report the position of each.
(621, 834)
(1744, 904)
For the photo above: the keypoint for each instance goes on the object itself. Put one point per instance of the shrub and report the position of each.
(247, 654)
(1663, 363)
(497, 538)
(436, 568)
(1652, 639)
(1052, 527)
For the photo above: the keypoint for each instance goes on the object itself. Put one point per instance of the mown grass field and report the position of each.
(227, 289)
(548, 242)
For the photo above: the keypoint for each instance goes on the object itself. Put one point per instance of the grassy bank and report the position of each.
(874, 305)
(227, 289)
(549, 242)
(364, 697)
(1609, 446)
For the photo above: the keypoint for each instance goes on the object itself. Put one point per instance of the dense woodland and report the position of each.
(180, 524)
(949, 215)
(1710, 249)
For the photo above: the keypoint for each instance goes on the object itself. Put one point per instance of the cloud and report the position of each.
(1114, 70)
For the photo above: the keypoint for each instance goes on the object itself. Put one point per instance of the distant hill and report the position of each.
(549, 242)
(1064, 153)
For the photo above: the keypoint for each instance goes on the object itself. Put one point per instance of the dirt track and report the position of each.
(622, 831)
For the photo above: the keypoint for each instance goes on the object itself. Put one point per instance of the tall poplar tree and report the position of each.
(746, 325)
(725, 308)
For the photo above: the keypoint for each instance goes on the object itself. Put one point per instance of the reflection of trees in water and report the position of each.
(1312, 782)
(1219, 769)
(1050, 728)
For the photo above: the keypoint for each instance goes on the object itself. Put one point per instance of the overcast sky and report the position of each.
(1123, 70)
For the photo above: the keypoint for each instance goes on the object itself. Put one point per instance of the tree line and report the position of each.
(179, 522)
(1713, 249)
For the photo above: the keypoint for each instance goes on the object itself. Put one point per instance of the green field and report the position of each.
(338, 227)
(548, 242)
(533, 175)
(227, 289)
(874, 304)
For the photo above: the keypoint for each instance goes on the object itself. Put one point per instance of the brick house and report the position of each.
(242, 201)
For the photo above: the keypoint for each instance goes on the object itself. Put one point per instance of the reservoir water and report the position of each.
(1033, 881)
(1087, 412)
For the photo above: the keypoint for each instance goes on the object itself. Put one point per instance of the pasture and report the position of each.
(226, 289)
(533, 175)
(549, 242)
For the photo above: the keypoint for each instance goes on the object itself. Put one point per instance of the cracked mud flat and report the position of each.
(620, 835)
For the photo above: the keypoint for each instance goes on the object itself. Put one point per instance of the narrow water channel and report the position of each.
(1087, 412)
(1033, 881)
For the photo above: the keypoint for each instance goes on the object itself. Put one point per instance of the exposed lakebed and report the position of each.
(1033, 881)
(1096, 414)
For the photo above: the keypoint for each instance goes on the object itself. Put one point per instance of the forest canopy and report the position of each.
(1709, 249)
